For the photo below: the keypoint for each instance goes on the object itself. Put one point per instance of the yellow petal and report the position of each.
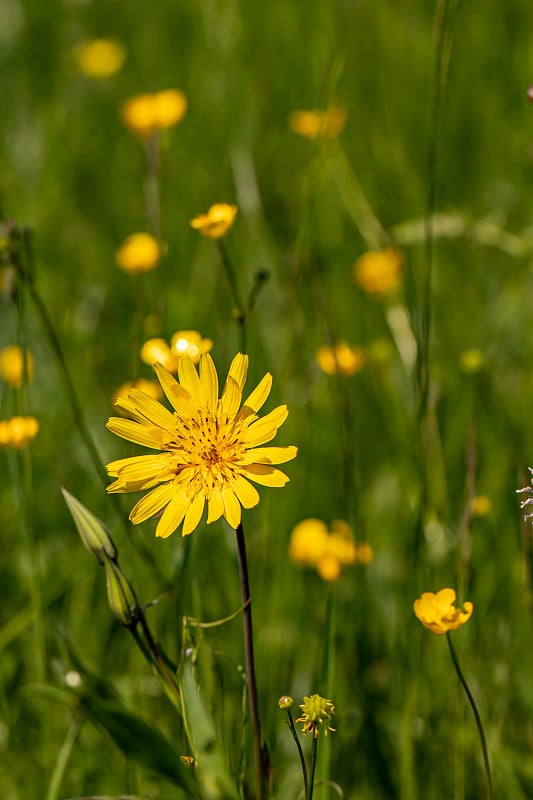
(269, 455)
(172, 515)
(134, 432)
(189, 380)
(152, 502)
(232, 508)
(194, 514)
(167, 381)
(257, 398)
(231, 397)
(209, 382)
(265, 475)
(153, 411)
(239, 369)
(215, 507)
(247, 495)
(141, 468)
(264, 429)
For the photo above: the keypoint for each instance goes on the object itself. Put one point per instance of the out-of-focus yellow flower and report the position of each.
(472, 360)
(17, 432)
(327, 550)
(100, 58)
(341, 359)
(379, 271)
(480, 505)
(139, 253)
(182, 343)
(13, 359)
(217, 222)
(315, 711)
(151, 388)
(308, 541)
(145, 113)
(438, 613)
(312, 124)
(157, 350)
(364, 553)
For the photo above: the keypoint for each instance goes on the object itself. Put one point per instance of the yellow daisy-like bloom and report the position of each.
(438, 612)
(379, 272)
(210, 447)
(217, 222)
(12, 360)
(316, 710)
(145, 113)
(151, 388)
(312, 124)
(139, 253)
(100, 58)
(341, 359)
(17, 432)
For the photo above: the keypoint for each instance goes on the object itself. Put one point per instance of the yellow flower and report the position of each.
(183, 343)
(145, 113)
(210, 450)
(216, 222)
(379, 272)
(17, 432)
(438, 613)
(100, 58)
(472, 360)
(139, 253)
(308, 541)
(151, 388)
(157, 350)
(312, 124)
(315, 711)
(328, 551)
(12, 360)
(480, 505)
(341, 359)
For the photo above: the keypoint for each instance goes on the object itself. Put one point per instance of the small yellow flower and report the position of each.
(364, 553)
(151, 388)
(209, 450)
(308, 541)
(191, 344)
(13, 359)
(217, 222)
(145, 113)
(100, 58)
(480, 505)
(438, 613)
(312, 124)
(157, 350)
(328, 551)
(472, 360)
(341, 359)
(379, 272)
(139, 253)
(315, 711)
(17, 432)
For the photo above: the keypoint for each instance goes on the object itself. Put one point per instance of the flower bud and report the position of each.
(120, 594)
(92, 531)
(285, 702)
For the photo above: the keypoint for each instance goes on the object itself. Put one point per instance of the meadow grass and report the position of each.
(420, 451)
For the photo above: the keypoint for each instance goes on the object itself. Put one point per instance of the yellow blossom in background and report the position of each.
(210, 447)
(472, 360)
(182, 343)
(139, 253)
(380, 271)
(157, 350)
(480, 505)
(13, 359)
(316, 710)
(217, 222)
(100, 58)
(341, 359)
(327, 123)
(17, 432)
(308, 541)
(438, 612)
(145, 113)
(328, 551)
(151, 388)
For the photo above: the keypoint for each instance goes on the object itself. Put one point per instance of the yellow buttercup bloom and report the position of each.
(308, 541)
(341, 359)
(17, 432)
(316, 710)
(217, 222)
(480, 505)
(328, 551)
(13, 359)
(182, 343)
(100, 58)
(312, 124)
(210, 447)
(438, 612)
(145, 113)
(379, 272)
(151, 388)
(139, 253)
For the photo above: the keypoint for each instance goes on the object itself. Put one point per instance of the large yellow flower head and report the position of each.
(210, 446)
(438, 612)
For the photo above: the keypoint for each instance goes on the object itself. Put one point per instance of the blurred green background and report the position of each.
(74, 174)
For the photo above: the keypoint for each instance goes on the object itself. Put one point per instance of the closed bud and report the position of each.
(285, 702)
(120, 595)
(92, 531)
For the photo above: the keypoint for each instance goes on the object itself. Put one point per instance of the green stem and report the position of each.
(300, 753)
(261, 758)
(313, 768)
(240, 310)
(476, 716)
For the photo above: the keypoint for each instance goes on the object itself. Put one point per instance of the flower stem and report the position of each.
(313, 767)
(261, 758)
(239, 310)
(300, 753)
(476, 716)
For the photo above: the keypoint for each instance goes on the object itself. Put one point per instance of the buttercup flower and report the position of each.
(480, 505)
(100, 58)
(314, 545)
(139, 253)
(217, 222)
(146, 113)
(210, 450)
(379, 272)
(12, 360)
(438, 612)
(341, 359)
(315, 711)
(17, 432)
(151, 388)
(312, 124)
(183, 343)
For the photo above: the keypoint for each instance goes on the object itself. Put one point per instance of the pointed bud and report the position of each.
(120, 595)
(92, 531)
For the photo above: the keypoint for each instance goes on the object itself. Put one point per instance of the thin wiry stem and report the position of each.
(240, 312)
(476, 716)
(300, 753)
(313, 768)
